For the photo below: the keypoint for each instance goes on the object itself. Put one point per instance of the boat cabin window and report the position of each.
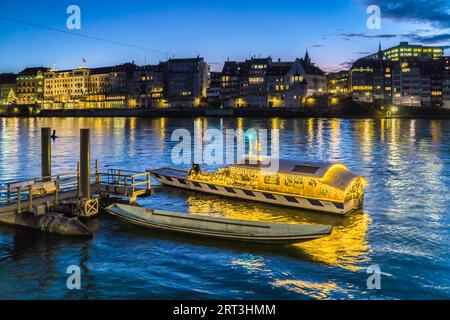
(272, 180)
(306, 169)
(292, 182)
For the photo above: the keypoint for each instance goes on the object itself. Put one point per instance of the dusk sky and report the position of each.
(334, 32)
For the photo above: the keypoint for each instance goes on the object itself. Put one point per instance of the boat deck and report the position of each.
(175, 173)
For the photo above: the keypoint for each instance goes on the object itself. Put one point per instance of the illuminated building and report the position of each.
(339, 83)
(409, 81)
(314, 76)
(8, 88)
(213, 92)
(417, 83)
(286, 85)
(30, 85)
(446, 82)
(106, 87)
(405, 51)
(263, 83)
(172, 83)
(186, 81)
(256, 89)
(150, 86)
(233, 81)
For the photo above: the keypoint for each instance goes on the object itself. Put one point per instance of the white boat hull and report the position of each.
(178, 178)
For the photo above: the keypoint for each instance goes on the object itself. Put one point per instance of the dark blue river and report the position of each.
(404, 228)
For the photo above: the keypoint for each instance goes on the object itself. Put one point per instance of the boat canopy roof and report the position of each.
(335, 174)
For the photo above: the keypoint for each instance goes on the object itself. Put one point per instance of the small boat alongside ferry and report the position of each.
(220, 228)
(323, 187)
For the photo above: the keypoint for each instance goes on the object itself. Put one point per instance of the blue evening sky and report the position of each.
(334, 32)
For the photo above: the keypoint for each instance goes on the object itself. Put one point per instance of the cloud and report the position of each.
(317, 46)
(347, 64)
(349, 36)
(429, 39)
(432, 12)
(416, 37)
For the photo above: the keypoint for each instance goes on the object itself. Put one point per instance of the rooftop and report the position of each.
(6, 78)
(335, 174)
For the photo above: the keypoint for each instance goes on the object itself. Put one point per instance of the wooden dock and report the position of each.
(29, 194)
(53, 203)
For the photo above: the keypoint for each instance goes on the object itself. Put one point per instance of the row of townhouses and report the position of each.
(410, 75)
(256, 82)
(266, 83)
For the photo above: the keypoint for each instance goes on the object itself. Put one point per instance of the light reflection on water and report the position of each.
(404, 227)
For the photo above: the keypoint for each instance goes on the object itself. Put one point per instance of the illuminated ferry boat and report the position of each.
(324, 187)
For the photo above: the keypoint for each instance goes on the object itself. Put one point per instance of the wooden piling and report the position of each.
(85, 163)
(46, 153)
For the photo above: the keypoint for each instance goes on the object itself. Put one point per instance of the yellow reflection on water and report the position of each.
(366, 130)
(320, 134)
(132, 124)
(314, 290)
(346, 248)
(412, 131)
(162, 129)
(250, 263)
(278, 124)
(394, 151)
(311, 132)
(240, 123)
(436, 131)
(335, 139)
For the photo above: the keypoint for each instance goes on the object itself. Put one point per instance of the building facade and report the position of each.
(263, 83)
(149, 87)
(106, 87)
(339, 83)
(287, 87)
(30, 85)
(186, 81)
(233, 81)
(446, 82)
(314, 76)
(408, 80)
(405, 51)
(172, 83)
(213, 92)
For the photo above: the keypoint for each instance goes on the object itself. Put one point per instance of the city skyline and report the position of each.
(217, 31)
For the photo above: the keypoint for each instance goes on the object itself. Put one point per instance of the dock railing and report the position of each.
(15, 192)
(126, 183)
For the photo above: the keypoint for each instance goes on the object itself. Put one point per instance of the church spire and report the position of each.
(380, 52)
(307, 58)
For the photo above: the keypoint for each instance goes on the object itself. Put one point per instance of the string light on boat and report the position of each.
(295, 184)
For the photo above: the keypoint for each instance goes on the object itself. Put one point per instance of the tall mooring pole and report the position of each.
(46, 153)
(85, 161)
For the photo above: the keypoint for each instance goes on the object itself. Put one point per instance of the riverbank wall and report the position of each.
(353, 111)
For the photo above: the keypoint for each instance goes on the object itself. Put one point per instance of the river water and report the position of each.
(404, 229)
